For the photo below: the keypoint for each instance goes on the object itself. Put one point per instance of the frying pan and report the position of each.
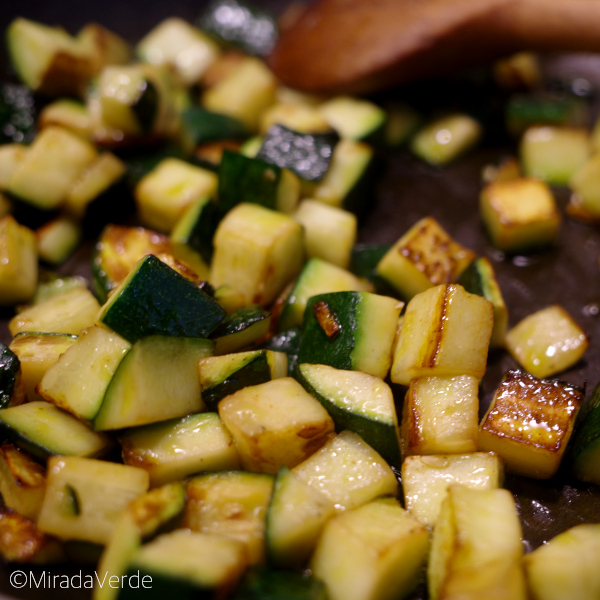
(406, 190)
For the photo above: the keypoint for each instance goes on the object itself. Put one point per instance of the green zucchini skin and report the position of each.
(363, 263)
(17, 114)
(252, 29)
(307, 155)
(241, 328)
(201, 125)
(289, 342)
(265, 583)
(585, 453)
(10, 372)
(156, 300)
(244, 179)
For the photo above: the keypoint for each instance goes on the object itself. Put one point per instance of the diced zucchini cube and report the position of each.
(53, 163)
(69, 312)
(37, 352)
(518, 71)
(375, 551)
(584, 203)
(505, 169)
(426, 479)
(275, 424)
(11, 156)
(296, 516)
(85, 496)
(257, 252)
(223, 375)
(350, 330)
(353, 118)
(476, 548)
(329, 232)
(520, 214)
(18, 262)
(173, 450)
(179, 44)
(554, 154)
(22, 481)
(242, 328)
(244, 93)
(445, 139)
(58, 239)
(547, 342)
(441, 415)
(446, 332)
(529, 423)
(69, 114)
(423, 257)
(585, 452)
(232, 504)
(348, 472)
(163, 195)
(106, 47)
(358, 402)
(566, 567)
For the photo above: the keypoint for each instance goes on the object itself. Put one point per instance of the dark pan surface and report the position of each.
(407, 190)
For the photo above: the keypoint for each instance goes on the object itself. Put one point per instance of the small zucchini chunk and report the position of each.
(350, 330)
(17, 114)
(358, 402)
(253, 180)
(11, 156)
(154, 299)
(12, 387)
(348, 472)
(69, 114)
(348, 179)
(55, 160)
(192, 235)
(58, 239)
(69, 312)
(585, 452)
(37, 352)
(260, 583)
(242, 328)
(188, 564)
(446, 139)
(84, 497)
(164, 194)
(479, 278)
(426, 479)
(507, 168)
(22, 481)
(173, 450)
(354, 119)
(308, 155)
(446, 332)
(518, 71)
(287, 342)
(51, 284)
(106, 46)
(530, 422)
(157, 380)
(243, 93)
(223, 375)
(584, 203)
(425, 256)
(118, 250)
(78, 381)
(317, 277)
(519, 214)
(476, 547)
(47, 59)
(18, 262)
(44, 430)
(232, 504)
(441, 415)
(275, 424)
(554, 154)
(180, 45)
(22, 542)
(251, 29)
(376, 550)
(329, 232)
(565, 567)
(257, 252)
(295, 518)
(547, 342)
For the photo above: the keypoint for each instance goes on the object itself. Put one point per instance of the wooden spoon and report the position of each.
(358, 46)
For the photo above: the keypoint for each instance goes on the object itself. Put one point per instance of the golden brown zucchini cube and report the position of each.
(529, 423)
(519, 214)
(446, 332)
(440, 415)
(275, 424)
(423, 257)
(584, 203)
(547, 342)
